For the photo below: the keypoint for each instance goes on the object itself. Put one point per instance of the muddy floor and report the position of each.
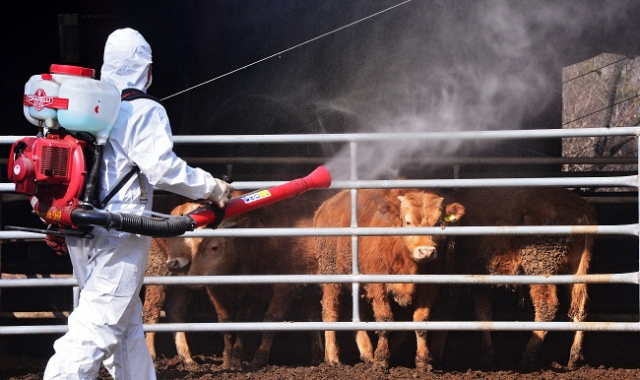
(608, 356)
(208, 368)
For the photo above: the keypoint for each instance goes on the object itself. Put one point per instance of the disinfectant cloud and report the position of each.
(447, 66)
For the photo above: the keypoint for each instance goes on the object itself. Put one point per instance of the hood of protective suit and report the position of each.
(127, 56)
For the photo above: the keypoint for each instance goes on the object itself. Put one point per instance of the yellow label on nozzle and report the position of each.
(256, 196)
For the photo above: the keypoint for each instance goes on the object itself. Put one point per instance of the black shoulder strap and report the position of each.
(133, 94)
(114, 191)
(129, 94)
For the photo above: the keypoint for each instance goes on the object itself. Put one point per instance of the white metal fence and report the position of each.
(631, 278)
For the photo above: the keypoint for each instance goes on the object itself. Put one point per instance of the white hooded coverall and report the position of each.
(106, 327)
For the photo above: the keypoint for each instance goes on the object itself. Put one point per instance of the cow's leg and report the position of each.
(365, 348)
(313, 313)
(154, 299)
(484, 313)
(579, 297)
(545, 302)
(250, 308)
(150, 337)
(309, 302)
(576, 356)
(447, 302)
(426, 295)
(330, 313)
(382, 313)
(279, 306)
(224, 315)
(317, 347)
(178, 298)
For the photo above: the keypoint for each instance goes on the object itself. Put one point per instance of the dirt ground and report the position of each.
(209, 369)
(608, 355)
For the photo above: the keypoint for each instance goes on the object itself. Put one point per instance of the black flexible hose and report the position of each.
(92, 180)
(136, 224)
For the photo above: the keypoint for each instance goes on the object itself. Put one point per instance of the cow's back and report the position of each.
(516, 207)
(523, 206)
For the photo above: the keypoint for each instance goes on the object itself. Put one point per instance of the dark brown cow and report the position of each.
(421, 254)
(172, 299)
(527, 254)
(266, 256)
(178, 261)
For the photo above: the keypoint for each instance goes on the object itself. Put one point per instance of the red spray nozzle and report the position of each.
(319, 178)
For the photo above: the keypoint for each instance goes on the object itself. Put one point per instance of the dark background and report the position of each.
(321, 86)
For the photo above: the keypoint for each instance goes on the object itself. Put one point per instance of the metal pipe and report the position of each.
(620, 229)
(469, 134)
(355, 270)
(613, 278)
(352, 326)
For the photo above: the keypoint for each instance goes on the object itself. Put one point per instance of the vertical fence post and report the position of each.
(638, 235)
(1, 243)
(355, 287)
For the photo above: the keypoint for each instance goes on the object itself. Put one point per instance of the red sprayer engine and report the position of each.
(75, 112)
(52, 170)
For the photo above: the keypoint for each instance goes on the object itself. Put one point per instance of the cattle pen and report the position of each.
(614, 322)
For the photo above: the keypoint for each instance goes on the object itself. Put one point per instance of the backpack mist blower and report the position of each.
(75, 112)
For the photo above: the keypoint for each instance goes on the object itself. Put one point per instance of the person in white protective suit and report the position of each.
(106, 327)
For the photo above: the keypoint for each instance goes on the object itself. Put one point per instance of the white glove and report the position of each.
(221, 193)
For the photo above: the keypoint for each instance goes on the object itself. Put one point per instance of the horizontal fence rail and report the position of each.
(616, 278)
(622, 181)
(395, 136)
(620, 229)
(351, 326)
(629, 181)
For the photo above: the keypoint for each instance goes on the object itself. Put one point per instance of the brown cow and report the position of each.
(530, 255)
(173, 299)
(266, 256)
(421, 254)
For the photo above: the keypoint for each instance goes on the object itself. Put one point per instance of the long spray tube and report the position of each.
(319, 178)
(209, 215)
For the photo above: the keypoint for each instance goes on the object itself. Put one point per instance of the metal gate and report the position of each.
(352, 141)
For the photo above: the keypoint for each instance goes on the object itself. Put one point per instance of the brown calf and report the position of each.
(529, 255)
(420, 254)
(266, 256)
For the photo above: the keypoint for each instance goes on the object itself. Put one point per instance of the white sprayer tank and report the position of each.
(71, 97)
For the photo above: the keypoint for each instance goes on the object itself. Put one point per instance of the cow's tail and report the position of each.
(579, 296)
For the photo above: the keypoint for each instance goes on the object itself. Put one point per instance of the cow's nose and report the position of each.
(425, 253)
(178, 265)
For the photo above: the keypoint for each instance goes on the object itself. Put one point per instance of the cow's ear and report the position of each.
(403, 203)
(453, 212)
